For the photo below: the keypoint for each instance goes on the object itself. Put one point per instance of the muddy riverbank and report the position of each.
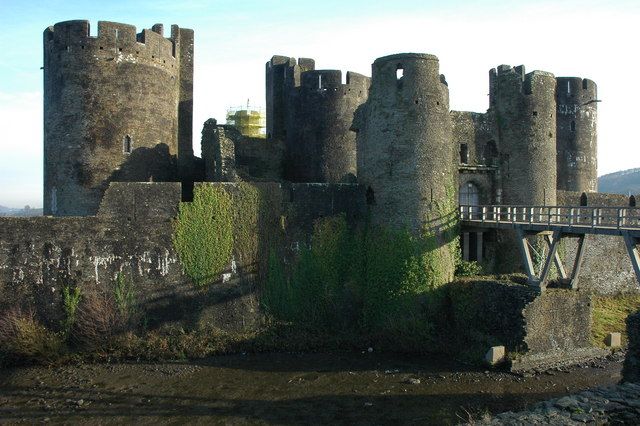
(361, 388)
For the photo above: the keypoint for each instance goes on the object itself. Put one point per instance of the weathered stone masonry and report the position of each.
(117, 107)
(132, 234)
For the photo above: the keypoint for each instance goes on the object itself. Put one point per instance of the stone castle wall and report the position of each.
(132, 235)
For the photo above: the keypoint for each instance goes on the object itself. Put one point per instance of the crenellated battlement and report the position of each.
(577, 88)
(331, 81)
(113, 39)
(321, 80)
(515, 80)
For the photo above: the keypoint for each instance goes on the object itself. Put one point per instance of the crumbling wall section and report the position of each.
(229, 156)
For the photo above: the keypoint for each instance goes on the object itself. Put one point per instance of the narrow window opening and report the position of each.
(583, 200)
(632, 201)
(464, 153)
(568, 87)
(116, 33)
(101, 47)
(584, 83)
(535, 113)
(127, 145)
(573, 126)
(319, 81)
(120, 49)
(399, 71)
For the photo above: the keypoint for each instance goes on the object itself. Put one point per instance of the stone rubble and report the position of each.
(618, 404)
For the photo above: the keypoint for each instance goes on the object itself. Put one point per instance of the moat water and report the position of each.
(285, 389)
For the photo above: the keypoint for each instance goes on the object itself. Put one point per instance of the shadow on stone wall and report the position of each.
(155, 164)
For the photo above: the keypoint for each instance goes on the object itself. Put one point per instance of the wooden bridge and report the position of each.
(555, 223)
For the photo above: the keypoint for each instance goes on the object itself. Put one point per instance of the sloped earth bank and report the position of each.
(361, 388)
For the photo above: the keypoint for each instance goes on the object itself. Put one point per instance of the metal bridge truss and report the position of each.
(555, 223)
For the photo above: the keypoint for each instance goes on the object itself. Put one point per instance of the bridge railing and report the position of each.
(583, 216)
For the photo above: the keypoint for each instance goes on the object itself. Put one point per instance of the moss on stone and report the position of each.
(610, 314)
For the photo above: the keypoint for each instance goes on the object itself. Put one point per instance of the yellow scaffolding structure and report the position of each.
(250, 121)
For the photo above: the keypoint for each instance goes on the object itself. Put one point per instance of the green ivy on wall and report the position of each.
(371, 278)
(203, 234)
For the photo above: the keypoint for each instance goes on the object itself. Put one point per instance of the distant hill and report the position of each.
(27, 211)
(622, 182)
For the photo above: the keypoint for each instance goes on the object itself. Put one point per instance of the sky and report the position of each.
(233, 40)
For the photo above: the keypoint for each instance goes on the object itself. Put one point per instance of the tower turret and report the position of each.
(524, 110)
(406, 158)
(577, 134)
(321, 145)
(113, 105)
(282, 75)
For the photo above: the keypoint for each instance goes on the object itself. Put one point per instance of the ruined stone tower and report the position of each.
(524, 110)
(117, 107)
(282, 75)
(577, 134)
(312, 111)
(406, 158)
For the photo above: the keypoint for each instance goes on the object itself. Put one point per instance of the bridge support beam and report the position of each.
(632, 248)
(553, 240)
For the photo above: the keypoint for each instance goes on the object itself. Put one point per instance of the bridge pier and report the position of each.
(552, 239)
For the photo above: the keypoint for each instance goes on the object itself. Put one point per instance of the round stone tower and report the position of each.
(577, 134)
(406, 158)
(524, 108)
(111, 109)
(322, 146)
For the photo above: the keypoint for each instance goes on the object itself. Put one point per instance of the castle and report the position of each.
(120, 176)
(118, 107)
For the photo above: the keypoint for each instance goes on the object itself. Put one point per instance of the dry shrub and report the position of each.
(23, 339)
(98, 321)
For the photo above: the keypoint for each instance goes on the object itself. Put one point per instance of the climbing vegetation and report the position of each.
(372, 279)
(203, 234)
(70, 301)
